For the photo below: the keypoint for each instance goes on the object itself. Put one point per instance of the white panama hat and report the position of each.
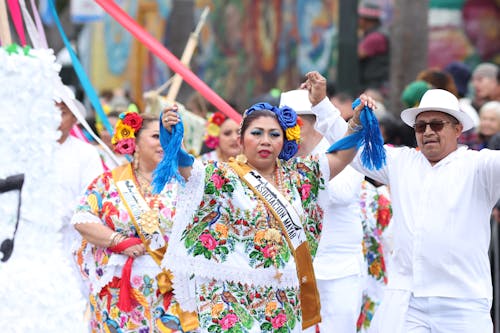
(298, 100)
(438, 100)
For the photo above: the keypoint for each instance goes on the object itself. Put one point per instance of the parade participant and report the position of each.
(126, 231)
(338, 264)
(222, 135)
(241, 246)
(437, 282)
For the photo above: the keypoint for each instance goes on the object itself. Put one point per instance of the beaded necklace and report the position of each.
(150, 220)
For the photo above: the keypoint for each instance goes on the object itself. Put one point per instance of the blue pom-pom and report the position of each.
(168, 168)
(373, 154)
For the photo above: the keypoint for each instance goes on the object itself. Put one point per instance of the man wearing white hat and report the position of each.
(338, 264)
(442, 197)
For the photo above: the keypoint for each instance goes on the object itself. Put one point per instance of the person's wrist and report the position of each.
(354, 125)
(315, 100)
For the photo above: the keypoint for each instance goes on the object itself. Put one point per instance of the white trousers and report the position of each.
(340, 304)
(401, 312)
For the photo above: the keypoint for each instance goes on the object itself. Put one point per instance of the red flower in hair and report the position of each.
(134, 120)
(218, 118)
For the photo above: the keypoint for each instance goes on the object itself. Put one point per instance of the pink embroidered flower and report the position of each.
(136, 281)
(208, 241)
(228, 321)
(217, 180)
(136, 316)
(269, 251)
(279, 320)
(305, 191)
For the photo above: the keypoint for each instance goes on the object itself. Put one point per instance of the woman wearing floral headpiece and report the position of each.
(244, 235)
(126, 231)
(222, 136)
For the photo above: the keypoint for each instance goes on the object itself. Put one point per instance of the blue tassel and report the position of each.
(168, 168)
(373, 154)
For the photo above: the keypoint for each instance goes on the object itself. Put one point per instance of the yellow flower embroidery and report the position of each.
(273, 235)
(259, 235)
(375, 268)
(217, 309)
(222, 230)
(270, 307)
(293, 133)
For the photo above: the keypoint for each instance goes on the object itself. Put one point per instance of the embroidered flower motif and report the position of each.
(228, 321)
(217, 180)
(305, 191)
(279, 320)
(208, 241)
(221, 230)
(384, 212)
(217, 309)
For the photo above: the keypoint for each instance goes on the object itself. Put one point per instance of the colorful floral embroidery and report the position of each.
(230, 214)
(234, 307)
(376, 213)
(367, 312)
(154, 309)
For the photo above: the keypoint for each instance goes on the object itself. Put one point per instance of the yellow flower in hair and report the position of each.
(293, 133)
(122, 131)
(213, 130)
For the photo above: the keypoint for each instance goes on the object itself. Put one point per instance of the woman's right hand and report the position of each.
(135, 250)
(170, 117)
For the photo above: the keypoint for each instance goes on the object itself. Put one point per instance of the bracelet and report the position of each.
(354, 127)
(115, 238)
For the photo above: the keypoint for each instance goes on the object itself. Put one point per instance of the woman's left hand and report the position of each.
(170, 117)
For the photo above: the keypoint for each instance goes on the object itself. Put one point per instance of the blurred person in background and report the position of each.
(222, 136)
(484, 83)
(373, 47)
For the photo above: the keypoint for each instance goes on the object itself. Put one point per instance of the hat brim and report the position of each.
(409, 116)
(304, 113)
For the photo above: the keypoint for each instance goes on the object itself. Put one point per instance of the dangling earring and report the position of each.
(136, 160)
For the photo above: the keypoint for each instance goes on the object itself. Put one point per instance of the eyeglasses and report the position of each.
(436, 125)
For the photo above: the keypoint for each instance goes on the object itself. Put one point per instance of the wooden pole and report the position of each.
(186, 57)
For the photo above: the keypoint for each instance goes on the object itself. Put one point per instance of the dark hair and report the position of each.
(249, 119)
(438, 79)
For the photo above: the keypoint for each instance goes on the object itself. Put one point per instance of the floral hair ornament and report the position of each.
(213, 129)
(287, 118)
(129, 122)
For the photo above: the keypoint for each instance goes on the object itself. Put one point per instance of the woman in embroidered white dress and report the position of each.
(232, 259)
(221, 136)
(123, 246)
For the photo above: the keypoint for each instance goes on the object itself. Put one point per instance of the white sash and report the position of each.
(286, 212)
(138, 206)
